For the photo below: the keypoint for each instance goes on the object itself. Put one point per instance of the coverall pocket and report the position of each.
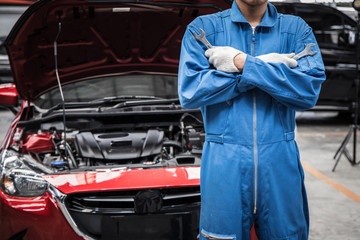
(301, 170)
(308, 62)
(209, 235)
(216, 116)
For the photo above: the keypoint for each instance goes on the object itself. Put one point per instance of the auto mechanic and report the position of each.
(248, 87)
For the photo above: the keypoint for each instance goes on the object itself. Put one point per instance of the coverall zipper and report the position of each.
(254, 122)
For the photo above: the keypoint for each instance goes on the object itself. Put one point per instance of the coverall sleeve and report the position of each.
(296, 88)
(199, 83)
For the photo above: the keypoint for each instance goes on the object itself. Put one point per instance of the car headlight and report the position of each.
(17, 179)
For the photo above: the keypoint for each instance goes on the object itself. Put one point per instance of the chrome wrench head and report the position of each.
(306, 52)
(202, 38)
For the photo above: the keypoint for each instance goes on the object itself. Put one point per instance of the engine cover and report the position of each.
(119, 145)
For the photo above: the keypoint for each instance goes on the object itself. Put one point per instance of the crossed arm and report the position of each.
(228, 59)
(203, 81)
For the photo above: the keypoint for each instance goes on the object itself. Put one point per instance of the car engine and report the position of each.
(138, 144)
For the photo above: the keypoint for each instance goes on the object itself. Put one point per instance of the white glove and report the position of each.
(280, 58)
(222, 58)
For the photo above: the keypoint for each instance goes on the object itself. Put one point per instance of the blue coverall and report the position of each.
(250, 170)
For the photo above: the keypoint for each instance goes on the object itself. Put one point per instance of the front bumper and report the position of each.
(56, 215)
(33, 218)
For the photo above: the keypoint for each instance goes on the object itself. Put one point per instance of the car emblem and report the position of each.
(148, 201)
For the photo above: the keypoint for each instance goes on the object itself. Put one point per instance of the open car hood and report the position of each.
(99, 38)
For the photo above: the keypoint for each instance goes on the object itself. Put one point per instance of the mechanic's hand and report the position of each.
(222, 58)
(280, 58)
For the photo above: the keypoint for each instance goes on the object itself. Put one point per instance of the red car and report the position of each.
(110, 154)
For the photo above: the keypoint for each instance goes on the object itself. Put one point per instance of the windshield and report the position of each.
(159, 86)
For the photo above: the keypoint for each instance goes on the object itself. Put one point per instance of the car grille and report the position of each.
(181, 206)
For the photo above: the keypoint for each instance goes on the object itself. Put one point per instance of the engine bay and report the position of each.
(97, 141)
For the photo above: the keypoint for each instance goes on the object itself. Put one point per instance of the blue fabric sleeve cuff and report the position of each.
(242, 83)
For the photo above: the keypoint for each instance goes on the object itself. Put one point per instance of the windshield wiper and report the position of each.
(123, 97)
(145, 100)
(72, 105)
(99, 101)
(148, 102)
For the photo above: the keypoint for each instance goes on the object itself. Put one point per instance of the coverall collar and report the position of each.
(269, 19)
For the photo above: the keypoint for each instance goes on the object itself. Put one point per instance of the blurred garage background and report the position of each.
(334, 197)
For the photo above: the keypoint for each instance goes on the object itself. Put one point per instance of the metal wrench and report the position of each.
(202, 38)
(306, 52)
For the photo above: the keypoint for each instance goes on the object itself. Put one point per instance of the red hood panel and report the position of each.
(98, 38)
(17, 2)
(125, 179)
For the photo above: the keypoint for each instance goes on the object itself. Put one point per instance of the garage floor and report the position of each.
(334, 197)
